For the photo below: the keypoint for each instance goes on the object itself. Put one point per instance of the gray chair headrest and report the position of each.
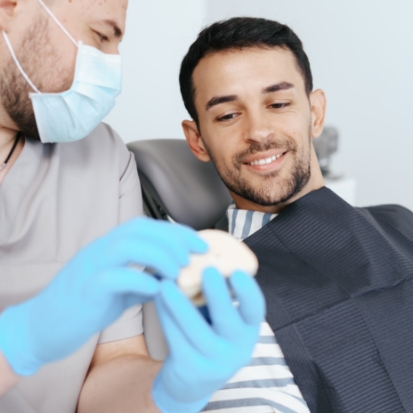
(188, 190)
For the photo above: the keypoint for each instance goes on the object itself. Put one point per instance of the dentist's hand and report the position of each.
(204, 357)
(93, 290)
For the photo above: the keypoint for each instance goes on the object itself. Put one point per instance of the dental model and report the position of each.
(226, 254)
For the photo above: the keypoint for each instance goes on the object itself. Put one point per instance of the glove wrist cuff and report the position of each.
(168, 404)
(12, 344)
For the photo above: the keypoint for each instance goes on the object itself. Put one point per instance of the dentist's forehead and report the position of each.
(98, 9)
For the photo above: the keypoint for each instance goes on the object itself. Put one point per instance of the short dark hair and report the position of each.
(239, 33)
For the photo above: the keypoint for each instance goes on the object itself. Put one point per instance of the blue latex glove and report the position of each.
(203, 357)
(93, 290)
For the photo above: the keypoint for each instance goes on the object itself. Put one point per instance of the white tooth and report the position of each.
(266, 161)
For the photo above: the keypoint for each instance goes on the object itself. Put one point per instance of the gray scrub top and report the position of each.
(55, 199)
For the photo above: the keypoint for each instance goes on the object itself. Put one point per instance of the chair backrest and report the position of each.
(177, 185)
(325, 146)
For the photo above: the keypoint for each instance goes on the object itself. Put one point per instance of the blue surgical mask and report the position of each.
(71, 115)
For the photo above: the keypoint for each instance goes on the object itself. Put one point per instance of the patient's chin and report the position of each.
(270, 191)
(270, 196)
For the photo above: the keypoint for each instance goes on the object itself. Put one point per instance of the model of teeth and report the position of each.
(225, 253)
(267, 160)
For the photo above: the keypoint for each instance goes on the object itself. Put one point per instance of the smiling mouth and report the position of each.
(265, 161)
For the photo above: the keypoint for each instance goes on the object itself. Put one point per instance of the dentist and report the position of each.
(70, 302)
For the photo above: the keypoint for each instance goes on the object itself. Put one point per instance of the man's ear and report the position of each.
(318, 104)
(7, 13)
(194, 140)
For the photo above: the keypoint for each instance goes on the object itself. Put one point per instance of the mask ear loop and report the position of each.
(58, 23)
(6, 39)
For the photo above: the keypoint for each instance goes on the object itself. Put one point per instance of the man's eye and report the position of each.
(102, 37)
(279, 105)
(227, 117)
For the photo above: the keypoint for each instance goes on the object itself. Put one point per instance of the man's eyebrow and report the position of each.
(217, 100)
(116, 30)
(277, 87)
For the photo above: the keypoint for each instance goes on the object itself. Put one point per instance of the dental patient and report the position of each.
(337, 279)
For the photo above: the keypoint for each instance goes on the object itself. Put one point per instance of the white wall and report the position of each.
(362, 56)
(158, 35)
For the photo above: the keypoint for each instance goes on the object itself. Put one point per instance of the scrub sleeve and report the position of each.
(56, 199)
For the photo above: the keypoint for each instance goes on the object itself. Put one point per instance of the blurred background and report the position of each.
(361, 53)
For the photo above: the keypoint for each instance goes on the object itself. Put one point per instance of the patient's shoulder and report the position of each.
(395, 216)
(392, 212)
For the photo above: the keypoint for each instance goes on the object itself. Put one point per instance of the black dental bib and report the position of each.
(338, 281)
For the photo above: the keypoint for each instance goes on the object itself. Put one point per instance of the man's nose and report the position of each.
(114, 50)
(111, 48)
(259, 128)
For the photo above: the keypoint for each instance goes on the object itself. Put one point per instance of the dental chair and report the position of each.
(178, 187)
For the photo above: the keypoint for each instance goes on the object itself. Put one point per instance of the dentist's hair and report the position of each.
(239, 33)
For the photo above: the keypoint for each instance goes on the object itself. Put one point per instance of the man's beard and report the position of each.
(36, 52)
(271, 191)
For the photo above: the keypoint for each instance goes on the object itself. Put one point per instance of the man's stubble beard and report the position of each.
(36, 52)
(269, 193)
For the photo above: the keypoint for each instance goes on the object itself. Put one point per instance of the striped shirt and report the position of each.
(266, 385)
